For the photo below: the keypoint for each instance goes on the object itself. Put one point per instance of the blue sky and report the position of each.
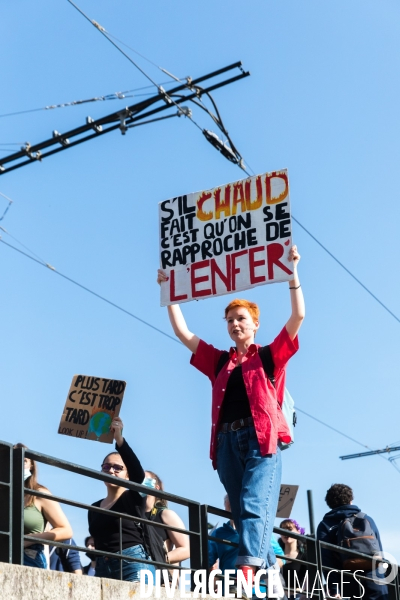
(322, 101)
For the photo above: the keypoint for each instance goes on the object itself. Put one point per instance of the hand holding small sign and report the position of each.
(117, 428)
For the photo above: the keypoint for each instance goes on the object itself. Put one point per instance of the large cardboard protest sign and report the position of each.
(287, 496)
(91, 405)
(226, 239)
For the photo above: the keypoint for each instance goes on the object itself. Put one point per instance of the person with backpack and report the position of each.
(347, 527)
(174, 545)
(247, 421)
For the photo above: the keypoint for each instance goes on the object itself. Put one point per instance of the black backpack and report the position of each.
(355, 533)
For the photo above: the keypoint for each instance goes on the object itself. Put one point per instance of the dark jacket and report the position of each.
(62, 559)
(327, 532)
(226, 554)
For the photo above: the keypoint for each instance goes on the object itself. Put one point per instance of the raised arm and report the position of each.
(132, 463)
(296, 297)
(188, 339)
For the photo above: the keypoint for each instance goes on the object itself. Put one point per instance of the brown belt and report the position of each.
(239, 424)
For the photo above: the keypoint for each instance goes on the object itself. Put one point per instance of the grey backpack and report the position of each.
(355, 533)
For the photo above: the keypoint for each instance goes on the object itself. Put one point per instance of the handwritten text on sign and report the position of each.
(91, 405)
(287, 496)
(226, 239)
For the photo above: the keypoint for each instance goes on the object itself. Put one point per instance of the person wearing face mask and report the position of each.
(37, 513)
(175, 545)
(247, 420)
(105, 528)
(90, 568)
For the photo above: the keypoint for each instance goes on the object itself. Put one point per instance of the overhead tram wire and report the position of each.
(104, 32)
(347, 270)
(7, 207)
(171, 75)
(365, 288)
(113, 96)
(230, 153)
(83, 287)
(121, 119)
(343, 434)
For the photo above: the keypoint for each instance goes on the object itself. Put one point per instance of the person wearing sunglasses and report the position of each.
(122, 464)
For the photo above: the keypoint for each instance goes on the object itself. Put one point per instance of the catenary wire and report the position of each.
(24, 246)
(83, 287)
(7, 207)
(145, 58)
(105, 34)
(339, 432)
(346, 269)
(114, 96)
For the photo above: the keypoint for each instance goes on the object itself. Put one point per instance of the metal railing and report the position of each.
(6, 478)
(12, 492)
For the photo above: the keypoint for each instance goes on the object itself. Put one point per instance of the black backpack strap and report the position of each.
(155, 511)
(63, 556)
(267, 363)
(223, 359)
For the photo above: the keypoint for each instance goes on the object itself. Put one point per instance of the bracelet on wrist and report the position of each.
(295, 288)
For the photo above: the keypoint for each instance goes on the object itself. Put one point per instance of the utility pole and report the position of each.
(141, 113)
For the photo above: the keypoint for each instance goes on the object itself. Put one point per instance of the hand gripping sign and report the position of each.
(91, 405)
(226, 239)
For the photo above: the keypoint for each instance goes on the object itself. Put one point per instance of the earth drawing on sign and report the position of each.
(99, 423)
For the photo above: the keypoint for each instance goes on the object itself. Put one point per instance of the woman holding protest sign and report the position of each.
(105, 528)
(247, 422)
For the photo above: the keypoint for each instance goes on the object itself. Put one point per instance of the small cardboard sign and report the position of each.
(287, 496)
(227, 239)
(91, 405)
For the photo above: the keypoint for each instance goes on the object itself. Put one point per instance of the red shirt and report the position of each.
(269, 423)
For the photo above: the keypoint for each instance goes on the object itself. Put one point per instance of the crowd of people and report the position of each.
(44, 519)
(248, 432)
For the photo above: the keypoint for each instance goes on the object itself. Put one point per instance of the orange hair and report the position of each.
(252, 307)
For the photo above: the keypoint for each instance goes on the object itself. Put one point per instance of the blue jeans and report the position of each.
(34, 556)
(109, 567)
(252, 483)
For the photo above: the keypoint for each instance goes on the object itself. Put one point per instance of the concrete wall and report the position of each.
(27, 583)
